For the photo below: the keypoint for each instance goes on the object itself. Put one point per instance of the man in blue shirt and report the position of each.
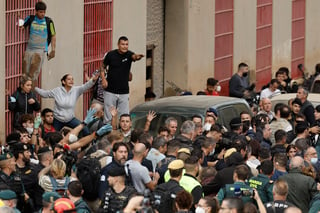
(42, 33)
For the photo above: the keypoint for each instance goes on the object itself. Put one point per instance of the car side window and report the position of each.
(226, 113)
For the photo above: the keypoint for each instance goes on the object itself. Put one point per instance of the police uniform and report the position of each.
(82, 206)
(192, 185)
(9, 195)
(12, 182)
(49, 197)
(237, 189)
(172, 187)
(113, 201)
(264, 186)
(29, 177)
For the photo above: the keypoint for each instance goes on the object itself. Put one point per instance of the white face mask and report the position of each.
(206, 127)
(200, 210)
(314, 160)
(212, 153)
(30, 130)
(218, 88)
(72, 138)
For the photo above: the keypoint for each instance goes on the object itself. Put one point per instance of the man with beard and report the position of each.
(47, 119)
(29, 175)
(120, 156)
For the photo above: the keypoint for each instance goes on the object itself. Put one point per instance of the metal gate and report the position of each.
(298, 36)
(15, 44)
(223, 54)
(97, 39)
(264, 43)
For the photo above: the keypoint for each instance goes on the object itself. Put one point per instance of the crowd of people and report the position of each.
(53, 162)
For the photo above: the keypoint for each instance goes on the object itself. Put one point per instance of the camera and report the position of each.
(149, 202)
(68, 156)
(247, 193)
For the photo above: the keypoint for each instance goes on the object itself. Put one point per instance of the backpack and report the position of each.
(88, 173)
(164, 199)
(61, 190)
(48, 21)
(128, 176)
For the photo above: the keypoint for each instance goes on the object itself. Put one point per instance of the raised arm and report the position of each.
(137, 57)
(45, 93)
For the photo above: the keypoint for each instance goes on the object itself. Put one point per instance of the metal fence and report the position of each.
(97, 39)
(15, 44)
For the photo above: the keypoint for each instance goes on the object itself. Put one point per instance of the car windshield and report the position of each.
(139, 120)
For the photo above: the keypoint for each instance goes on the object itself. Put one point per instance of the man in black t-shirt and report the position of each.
(116, 87)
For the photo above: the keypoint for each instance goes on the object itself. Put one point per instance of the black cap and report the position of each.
(20, 147)
(235, 122)
(44, 149)
(116, 171)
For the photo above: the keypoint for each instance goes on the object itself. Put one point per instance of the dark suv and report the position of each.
(184, 107)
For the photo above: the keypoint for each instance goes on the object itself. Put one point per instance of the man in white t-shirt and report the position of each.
(272, 90)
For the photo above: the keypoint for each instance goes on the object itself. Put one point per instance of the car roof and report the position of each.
(314, 98)
(195, 102)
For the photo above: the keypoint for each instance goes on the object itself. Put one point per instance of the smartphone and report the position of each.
(96, 72)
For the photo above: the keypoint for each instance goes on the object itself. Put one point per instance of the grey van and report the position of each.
(184, 107)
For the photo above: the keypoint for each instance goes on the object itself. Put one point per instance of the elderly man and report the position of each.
(302, 188)
(266, 107)
(187, 133)
(311, 157)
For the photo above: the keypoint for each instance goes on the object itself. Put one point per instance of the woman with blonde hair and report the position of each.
(52, 178)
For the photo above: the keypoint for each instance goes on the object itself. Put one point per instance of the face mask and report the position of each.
(206, 127)
(30, 130)
(200, 210)
(72, 138)
(245, 126)
(245, 74)
(218, 88)
(314, 160)
(212, 153)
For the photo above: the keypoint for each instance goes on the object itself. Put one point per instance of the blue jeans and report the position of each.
(58, 125)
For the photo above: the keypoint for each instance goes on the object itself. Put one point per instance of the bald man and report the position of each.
(139, 174)
(266, 107)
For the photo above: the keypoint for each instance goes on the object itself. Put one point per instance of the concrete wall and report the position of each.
(2, 71)
(281, 34)
(312, 38)
(200, 44)
(155, 36)
(244, 36)
(129, 18)
(189, 43)
(176, 43)
(69, 49)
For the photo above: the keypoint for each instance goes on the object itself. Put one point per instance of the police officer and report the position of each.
(29, 175)
(171, 187)
(189, 181)
(118, 194)
(10, 180)
(239, 187)
(48, 198)
(262, 182)
(9, 197)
